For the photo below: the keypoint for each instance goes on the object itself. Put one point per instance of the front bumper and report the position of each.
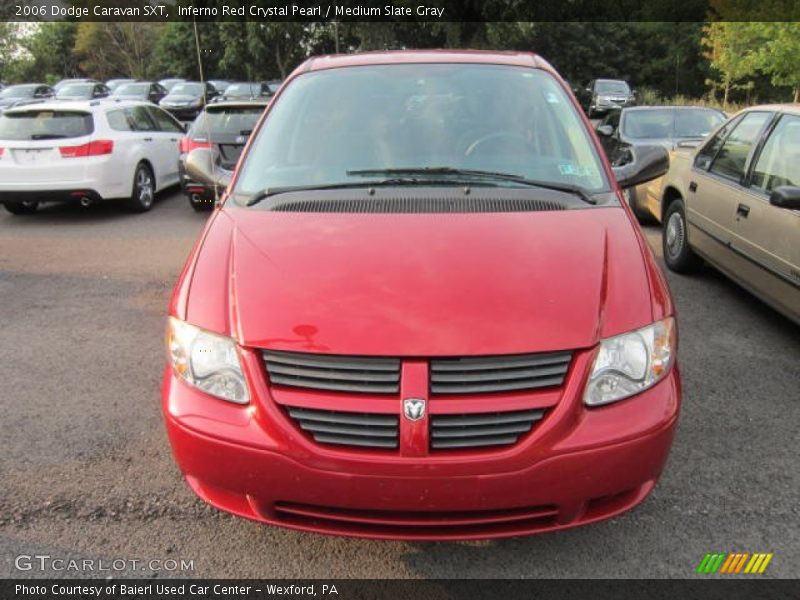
(579, 466)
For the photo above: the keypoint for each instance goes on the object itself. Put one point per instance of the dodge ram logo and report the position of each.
(414, 408)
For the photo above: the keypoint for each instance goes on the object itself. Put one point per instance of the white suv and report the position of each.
(86, 152)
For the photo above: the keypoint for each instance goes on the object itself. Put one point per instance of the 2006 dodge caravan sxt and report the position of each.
(422, 309)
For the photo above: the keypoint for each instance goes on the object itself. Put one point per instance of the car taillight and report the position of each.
(187, 144)
(95, 148)
(1, 152)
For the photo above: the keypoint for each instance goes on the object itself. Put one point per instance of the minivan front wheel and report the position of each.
(675, 241)
(144, 189)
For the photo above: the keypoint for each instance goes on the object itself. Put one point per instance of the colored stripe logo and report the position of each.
(734, 563)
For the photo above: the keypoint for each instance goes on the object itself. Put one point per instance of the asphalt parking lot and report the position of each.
(87, 472)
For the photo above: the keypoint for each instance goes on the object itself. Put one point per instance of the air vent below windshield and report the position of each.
(408, 205)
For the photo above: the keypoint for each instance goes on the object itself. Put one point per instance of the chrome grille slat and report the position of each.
(344, 375)
(472, 420)
(499, 362)
(487, 374)
(481, 429)
(452, 432)
(506, 440)
(483, 375)
(325, 416)
(355, 441)
(369, 375)
(327, 361)
(348, 428)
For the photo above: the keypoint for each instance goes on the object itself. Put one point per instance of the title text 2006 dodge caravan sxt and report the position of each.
(422, 310)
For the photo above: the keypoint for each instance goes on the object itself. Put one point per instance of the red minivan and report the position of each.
(423, 309)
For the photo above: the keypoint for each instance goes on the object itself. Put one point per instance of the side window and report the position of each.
(164, 121)
(140, 119)
(732, 157)
(780, 157)
(707, 153)
(118, 120)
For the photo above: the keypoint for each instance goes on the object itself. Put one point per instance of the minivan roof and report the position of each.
(332, 61)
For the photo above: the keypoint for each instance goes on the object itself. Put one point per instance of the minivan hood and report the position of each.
(420, 284)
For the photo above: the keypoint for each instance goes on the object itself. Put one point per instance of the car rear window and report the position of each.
(132, 88)
(230, 120)
(45, 124)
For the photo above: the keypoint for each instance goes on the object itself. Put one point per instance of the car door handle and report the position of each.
(173, 139)
(148, 139)
(693, 186)
(742, 211)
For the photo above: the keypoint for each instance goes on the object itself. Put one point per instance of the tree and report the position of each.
(778, 54)
(731, 49)
(109, 49)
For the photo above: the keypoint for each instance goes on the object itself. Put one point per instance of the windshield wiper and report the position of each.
(274, 191)
(47, 136)
(567, 188)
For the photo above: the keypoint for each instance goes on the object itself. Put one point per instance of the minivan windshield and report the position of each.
(328, 125)
(612, 86)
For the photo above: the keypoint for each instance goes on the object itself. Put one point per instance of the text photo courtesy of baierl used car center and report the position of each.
(362, 301)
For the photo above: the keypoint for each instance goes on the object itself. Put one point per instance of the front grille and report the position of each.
(395, 522)
(481, 429)
(348, 428)
(335, 373)
(498, 373)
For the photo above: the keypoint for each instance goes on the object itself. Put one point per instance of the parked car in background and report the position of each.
(601, 95)
(186, 100)
(82, 91)
(735, 202)
(168, 83)
(244, 90)
(86, 152)
(273, 85)
(24, 93)
(113, 84)
(422, 311)
(219, 84)
(225, 127)
(669, 126)
(64, 82)
(148, 91)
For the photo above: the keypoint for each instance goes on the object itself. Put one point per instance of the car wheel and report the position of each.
(26, 207)
(199, 203)
(144, 189)
(675, 241)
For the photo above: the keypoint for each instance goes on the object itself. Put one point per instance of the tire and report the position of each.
(27, 207)
(199, 204)
(143, 192)
(675, 241)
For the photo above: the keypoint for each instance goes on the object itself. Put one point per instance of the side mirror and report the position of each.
(647, 163)
(786, 196)
(605, 130)
(202, 166)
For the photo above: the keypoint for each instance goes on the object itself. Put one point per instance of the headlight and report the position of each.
(206, 360)
(630, 363)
